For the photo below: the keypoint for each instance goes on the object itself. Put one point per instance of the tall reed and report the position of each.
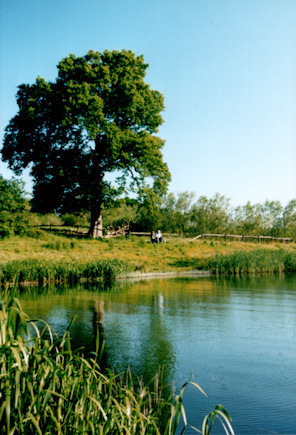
(41, 271)
(258, 261)
(46, 388)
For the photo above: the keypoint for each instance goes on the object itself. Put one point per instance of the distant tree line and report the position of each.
(184, 215)
(181, 214)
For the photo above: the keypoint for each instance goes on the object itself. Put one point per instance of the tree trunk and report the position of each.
(96, 223)
(97, 177)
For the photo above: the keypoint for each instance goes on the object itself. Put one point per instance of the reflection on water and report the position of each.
(235, 337)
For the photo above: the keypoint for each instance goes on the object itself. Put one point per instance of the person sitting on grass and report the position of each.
(153, 239)
(158, 236)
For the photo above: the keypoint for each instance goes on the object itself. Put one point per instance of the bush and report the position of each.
(51, 219)
(76, 220)
(13, 218)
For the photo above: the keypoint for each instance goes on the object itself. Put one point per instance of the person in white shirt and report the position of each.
(158, 236)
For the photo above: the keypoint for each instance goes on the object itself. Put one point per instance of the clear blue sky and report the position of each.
(227, 69)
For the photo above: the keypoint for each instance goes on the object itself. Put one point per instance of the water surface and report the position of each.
(235, 338)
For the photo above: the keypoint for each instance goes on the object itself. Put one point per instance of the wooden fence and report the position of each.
(82, 231)
(244, 238)
(149, 234)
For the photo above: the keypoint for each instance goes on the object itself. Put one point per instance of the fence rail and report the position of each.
(132, 233)
(245, 237)
(82, 230)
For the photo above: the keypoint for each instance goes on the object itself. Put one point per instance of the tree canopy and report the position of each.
(98, 117)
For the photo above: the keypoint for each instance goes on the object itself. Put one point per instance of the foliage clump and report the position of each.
(13, 216)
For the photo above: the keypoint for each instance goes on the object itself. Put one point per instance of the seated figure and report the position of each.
(158, 236)
(153, 238)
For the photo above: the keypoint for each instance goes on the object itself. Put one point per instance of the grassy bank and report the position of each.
(50, 257)
(46, 388)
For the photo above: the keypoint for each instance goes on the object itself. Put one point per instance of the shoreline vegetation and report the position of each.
(47, 388)
(47, 258)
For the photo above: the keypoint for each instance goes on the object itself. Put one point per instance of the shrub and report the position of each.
(13, 218)
(76, 220)
(51, 219)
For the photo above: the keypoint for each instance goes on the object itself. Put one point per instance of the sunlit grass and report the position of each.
(175, 255)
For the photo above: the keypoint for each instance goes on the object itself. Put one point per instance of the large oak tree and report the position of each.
(98, 117)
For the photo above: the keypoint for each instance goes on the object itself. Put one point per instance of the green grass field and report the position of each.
(175, 255)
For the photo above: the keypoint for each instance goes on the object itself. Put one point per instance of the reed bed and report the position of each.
(43, 271)
(46, 388)
(254, 262)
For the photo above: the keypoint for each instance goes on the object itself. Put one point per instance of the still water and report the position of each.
(235, 337)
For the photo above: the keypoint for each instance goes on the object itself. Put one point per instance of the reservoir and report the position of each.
(236, 338)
